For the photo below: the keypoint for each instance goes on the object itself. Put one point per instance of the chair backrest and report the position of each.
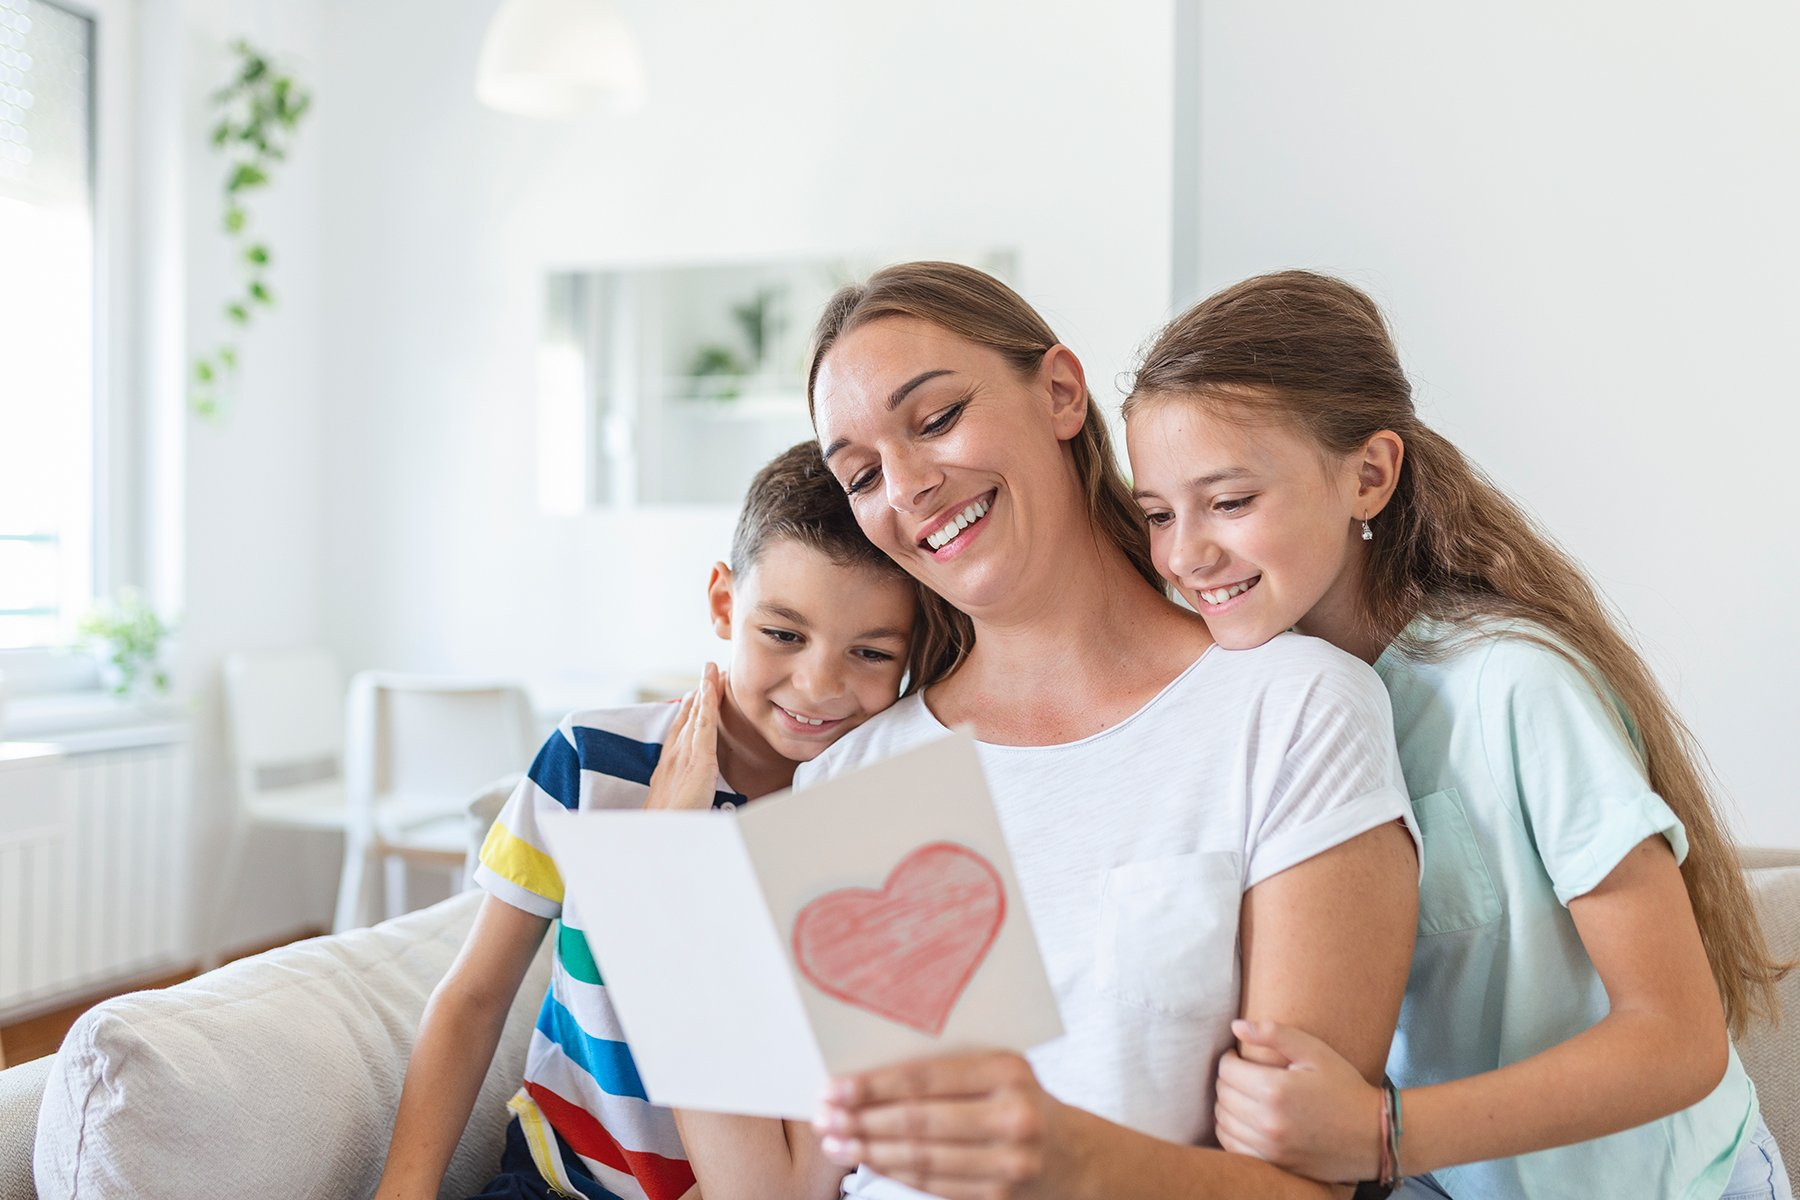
(412, 735)
(285, 710)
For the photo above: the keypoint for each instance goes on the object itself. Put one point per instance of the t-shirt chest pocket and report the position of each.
(1456, 892)
(1168, 934)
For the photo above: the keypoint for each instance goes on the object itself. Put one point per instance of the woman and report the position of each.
(1199, 834)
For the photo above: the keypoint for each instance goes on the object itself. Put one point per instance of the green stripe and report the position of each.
(577, 959)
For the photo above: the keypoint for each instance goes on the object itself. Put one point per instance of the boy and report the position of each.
(822, 631)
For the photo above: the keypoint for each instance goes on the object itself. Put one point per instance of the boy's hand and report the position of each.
(1316, 1116)
(689, 765)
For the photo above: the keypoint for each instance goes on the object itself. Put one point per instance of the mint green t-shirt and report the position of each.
(1528, 793)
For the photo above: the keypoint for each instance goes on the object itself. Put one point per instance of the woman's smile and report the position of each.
(946, 536)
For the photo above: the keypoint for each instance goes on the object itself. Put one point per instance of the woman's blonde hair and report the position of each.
(980, 309)
(1313, 352)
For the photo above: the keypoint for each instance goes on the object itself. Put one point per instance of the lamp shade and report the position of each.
(559, 58)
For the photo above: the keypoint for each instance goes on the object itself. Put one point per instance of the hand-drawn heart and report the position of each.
(905, 952)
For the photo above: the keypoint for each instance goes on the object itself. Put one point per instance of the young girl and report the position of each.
(1585, 937)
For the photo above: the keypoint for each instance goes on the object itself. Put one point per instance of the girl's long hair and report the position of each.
(1314, 353)
(979, 308)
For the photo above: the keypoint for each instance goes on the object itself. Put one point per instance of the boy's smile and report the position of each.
(816, 650)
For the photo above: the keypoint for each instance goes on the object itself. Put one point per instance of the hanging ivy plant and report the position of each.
(258, 114)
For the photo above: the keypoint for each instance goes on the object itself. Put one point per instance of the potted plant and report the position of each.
(126, 637)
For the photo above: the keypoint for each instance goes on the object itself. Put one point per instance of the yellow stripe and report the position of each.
(523, 863)
(542, 1143)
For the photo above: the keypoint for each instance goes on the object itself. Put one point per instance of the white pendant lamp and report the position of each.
(559, 58)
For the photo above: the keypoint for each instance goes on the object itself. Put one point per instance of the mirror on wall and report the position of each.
(673, 385)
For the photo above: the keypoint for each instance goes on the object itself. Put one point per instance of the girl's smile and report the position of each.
(1256, 528)
(1219, 599)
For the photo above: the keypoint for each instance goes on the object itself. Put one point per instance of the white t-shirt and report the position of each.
(1134, 846)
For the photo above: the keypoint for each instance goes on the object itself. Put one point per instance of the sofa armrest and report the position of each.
(1771, 1051)
(277, 1074)
(21, 1091)
(1762, 858)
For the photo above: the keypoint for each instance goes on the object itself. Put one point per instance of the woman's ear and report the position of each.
(1378, 472)
(718, 599)
(1062, 374)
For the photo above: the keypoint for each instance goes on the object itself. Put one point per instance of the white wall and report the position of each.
(1582, 222)
(797, 127)
(1579, 220)
(247, 556)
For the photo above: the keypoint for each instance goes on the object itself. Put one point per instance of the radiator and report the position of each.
(94, 835)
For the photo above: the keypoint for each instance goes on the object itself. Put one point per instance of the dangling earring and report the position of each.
(1368, 534)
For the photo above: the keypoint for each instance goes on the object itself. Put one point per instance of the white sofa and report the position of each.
(278, 1075)
(274, 1075)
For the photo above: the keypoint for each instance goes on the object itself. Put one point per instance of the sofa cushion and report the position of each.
(1771, 1053)
(274, 1075)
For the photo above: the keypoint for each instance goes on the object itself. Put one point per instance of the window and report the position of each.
(47, 321)
(69, 471)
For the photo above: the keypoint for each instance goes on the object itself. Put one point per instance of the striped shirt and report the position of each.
(581, 1085)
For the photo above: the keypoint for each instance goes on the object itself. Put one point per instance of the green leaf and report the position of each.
(235, 218)
(258, 254)
(204, 406)
(237, 313)
(221, 133)
(203, 371)
(254, 69)
(246, 175)
(259, 292)
(228, 356)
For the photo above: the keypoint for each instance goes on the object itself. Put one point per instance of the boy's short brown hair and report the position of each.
(795, 497)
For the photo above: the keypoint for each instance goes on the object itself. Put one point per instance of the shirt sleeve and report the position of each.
(516, 865)
(1567, 755)
(1338, 774)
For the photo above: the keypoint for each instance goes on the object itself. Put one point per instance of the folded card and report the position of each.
(867, 920)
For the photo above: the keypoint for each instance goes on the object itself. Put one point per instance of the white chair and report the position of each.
(416, 749)
(285, 714)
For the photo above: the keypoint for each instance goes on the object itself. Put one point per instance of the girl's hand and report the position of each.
(689, 766)
(964, 1127)
(1316, 1116)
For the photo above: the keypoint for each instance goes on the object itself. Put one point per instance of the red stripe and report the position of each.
(661, 1178)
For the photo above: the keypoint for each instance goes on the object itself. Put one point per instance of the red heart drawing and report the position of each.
(905, 952)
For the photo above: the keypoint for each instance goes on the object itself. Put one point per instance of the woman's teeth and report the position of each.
(964, 519)
(804, 720)
(1225, 593)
